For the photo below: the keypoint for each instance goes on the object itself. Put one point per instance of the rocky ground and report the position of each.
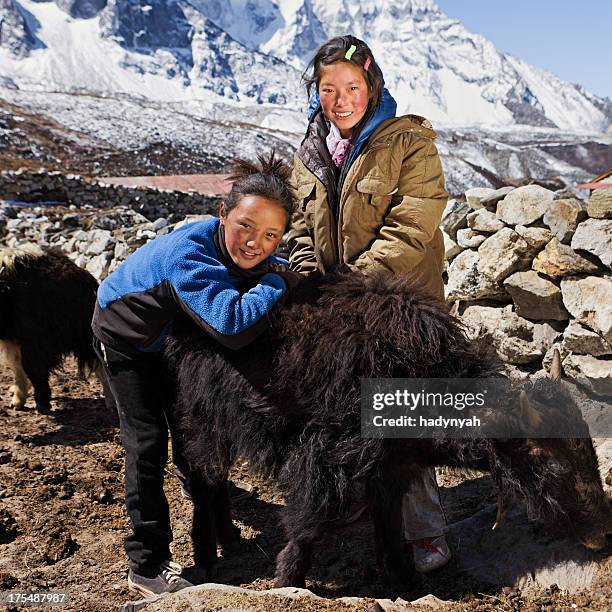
(62, 522)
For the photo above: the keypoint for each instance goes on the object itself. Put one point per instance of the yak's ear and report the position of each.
(531, 419)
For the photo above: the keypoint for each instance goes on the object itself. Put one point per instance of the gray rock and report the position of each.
(600, 204)
(454, 217)
(559, 260)
(536, 237)
(595, 236)
(583, 341)
(484, 220)
(465, 282)
(594, 373)
(451, 248)
(98, 241)
(474, 196)
(496, 196)
(563, 217)
(589, 300)
(467, 238)
(517, 340)
(98, 265)
(536, 297)
(502, 254)
(524, 205)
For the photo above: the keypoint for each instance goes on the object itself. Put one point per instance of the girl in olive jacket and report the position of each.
(371, 195)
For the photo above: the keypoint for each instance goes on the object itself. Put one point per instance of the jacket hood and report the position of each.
(385, 110)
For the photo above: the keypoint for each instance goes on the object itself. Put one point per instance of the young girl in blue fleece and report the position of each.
(202, 270)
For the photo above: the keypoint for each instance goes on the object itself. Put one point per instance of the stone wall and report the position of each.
(74, 190)
(526, 265)
(531, 267)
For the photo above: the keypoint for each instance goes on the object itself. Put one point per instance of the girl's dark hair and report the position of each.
(269, 179)
(333, 51)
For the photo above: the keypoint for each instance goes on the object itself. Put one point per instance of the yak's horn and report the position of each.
(555, 367)
(501, 512)
(529, 414)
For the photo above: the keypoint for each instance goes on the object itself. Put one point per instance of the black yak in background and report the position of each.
(290, 404)
(46, 306)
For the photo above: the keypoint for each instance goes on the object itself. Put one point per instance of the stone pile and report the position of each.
(531, 268)
(73, 190)
(96, 241)
(528, 266)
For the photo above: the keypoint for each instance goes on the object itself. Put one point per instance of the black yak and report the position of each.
(290, 404)
(46, 306)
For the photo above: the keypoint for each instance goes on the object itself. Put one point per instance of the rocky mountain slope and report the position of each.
(253, 52)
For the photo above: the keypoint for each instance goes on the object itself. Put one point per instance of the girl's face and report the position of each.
(253, 229)
(344, 95)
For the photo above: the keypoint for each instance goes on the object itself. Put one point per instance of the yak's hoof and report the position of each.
(43, 407)
(199, 575)
(282, 582)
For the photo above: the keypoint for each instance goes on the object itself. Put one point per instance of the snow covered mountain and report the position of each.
(252, 52)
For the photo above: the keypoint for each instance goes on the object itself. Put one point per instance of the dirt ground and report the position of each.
(62, 523)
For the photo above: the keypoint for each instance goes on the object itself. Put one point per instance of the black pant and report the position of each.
(144, 395)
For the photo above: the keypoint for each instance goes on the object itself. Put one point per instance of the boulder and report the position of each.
(536, 237)
(502, 254)
(454, 217)
(465, 282)
(496, 196)
(451, 248)
(583, 341)
(594, 373)
(517, 340)
(484, 220)
(98, 265)
(469, 239)
(97, 241)
(561, 260)
(476, 195)
(600, 204)
(595, 236)
(524, 205)
(563, 216)
(535, 297)
(589, 300)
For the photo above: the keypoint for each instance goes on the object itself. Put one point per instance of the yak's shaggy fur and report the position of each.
(290, 404)
(46, 306)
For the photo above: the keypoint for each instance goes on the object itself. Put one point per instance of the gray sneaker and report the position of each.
(167, 581)
(430, 553)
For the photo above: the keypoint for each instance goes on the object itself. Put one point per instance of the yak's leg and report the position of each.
(19, 390)
(304, 522)
(203, 529)
(386, 509)
(38, 374)
(294, 561)
(228, 534)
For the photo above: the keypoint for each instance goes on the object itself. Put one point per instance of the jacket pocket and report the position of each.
(376, 195)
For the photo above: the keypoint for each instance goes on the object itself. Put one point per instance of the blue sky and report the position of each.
(572, 38)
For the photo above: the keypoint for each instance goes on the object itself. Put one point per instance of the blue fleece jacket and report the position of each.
(181, 272)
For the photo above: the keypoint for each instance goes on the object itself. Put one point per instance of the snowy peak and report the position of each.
(253, 52)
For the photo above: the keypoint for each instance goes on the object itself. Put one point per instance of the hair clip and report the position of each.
(367, 63)
(350, 52)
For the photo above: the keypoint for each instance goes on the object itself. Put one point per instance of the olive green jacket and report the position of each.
(388, 212)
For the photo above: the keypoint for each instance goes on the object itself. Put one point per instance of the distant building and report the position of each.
(203, 184)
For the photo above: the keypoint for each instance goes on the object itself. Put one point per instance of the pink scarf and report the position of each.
(336, 145)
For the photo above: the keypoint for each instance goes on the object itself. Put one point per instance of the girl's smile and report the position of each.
(253, 229)
(344, 95)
